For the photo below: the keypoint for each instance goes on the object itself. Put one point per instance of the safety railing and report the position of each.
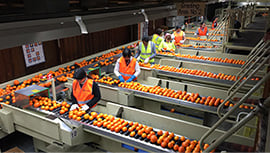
(239, 124)
(250, 64)
(256, 60)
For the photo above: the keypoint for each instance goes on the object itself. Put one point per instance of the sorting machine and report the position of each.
(54, 132)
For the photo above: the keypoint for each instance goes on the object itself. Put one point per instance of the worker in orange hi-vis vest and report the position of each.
(178, 35)
(85, 92)
(214, 24)
(127, 68)
(202, 30)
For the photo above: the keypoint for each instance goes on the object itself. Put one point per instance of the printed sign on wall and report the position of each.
(33, 53)
(190, 8)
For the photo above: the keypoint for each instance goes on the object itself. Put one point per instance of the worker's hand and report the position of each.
(74, 106)
(131, 78)
(85, 107)
(138, 58)
(146, 60)
(121, 78)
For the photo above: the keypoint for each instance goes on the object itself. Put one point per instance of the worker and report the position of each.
(127, 68)
(202, 30)
(157, 39)
(179, 35)
(167, 44)
(214, 24)
(85, 92)
(146, 51)
(266, 36)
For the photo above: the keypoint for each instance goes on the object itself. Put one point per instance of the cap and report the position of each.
(79, 74)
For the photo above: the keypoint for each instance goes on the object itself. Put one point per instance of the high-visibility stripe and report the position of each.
(125, 74)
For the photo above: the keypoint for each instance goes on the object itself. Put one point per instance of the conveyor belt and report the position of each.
(205, 79)
(122, 137)
(201, 49)
(201, 61)
(183, 103)
(208, 62)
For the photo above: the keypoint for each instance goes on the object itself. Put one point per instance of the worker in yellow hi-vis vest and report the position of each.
(167, 44)
(157, 39)
(146, 51)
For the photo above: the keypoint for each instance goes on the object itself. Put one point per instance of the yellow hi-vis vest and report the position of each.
(157, 40)
(167, 45)
(146, 53)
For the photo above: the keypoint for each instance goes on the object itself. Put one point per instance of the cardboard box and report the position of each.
(15, 149)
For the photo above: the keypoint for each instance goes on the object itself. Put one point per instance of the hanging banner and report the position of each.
(190, 8)
(33, 53)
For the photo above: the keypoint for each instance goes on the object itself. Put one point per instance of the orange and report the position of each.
(164, 144)
(144, 135)
(64, 103)
(16, 82)
(36, 105)
(176, 138)
(124, 129)
(181, 149)
(86, 116)
(170, 145)
(132, 134)
(175, 147)
(153, 138)
(94, 114)
(182, 138)
(7, 97)
(160, 132)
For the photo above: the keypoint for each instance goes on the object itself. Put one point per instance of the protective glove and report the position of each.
(74, 106)
(121, 78)
(138, 58)
(146, 60)
(131, 78)
(85, 107)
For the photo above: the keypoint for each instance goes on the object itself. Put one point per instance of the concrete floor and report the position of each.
(249, 39)
(17, 139)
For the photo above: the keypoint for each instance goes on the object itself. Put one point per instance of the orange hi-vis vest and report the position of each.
(83, 95)
(127, 70)
(214, 24)
(178, 37)
(202, 32)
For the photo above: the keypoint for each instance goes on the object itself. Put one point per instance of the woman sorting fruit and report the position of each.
(85, 92)
(127, 68)
(167, 44)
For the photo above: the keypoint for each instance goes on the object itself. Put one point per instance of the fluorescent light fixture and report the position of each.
(82, 26)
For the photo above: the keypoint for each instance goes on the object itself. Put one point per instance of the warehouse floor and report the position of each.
(17, 139)
(249, 38)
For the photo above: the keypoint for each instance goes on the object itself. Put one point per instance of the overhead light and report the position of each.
(82, 26)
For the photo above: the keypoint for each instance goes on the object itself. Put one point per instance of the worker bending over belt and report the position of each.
(202, 30)
(167, 44)
(127, 68)
(85, 92)
(178, 35)
(146, 51)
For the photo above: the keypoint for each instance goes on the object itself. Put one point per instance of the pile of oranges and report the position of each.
(199, 39)
(36, 79)
(208, 33)
(214, 59)
(182, 95)
(107, 80)
(46, 103)
(134, 129)
(76, 114)
(221, 76)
